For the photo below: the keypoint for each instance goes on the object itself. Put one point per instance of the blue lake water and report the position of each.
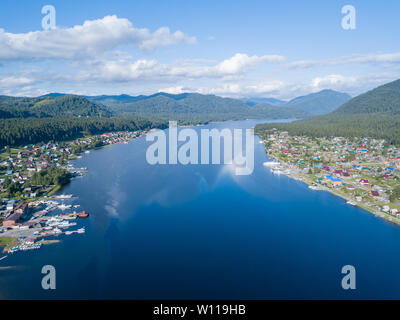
(201, 232)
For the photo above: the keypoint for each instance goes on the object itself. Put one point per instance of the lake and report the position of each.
(201, 232)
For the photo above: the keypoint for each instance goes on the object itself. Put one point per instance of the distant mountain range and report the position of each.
(187, 105)
(375, 113)
(193, 105)
(318, 103)
(184, 107)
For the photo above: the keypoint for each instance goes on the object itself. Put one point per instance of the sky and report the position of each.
(236, 48)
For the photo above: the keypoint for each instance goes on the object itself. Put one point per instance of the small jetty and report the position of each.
(2, 258)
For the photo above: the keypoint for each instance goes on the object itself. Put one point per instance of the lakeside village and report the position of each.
(30, 176)
(365, 172)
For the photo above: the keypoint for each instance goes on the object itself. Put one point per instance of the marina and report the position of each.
(44, 219)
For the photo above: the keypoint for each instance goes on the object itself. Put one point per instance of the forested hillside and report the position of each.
(372, 114)
(44, 107)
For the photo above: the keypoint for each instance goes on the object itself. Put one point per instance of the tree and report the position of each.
(395, 194)
(14, 188)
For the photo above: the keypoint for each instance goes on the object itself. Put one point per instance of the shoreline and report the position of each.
(10, 243)
(303, 178)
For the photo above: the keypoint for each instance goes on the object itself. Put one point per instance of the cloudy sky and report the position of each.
(235, 48)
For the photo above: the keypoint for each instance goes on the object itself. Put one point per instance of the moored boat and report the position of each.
(83, 214)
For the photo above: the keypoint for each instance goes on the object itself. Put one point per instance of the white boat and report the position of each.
(271, 164)
(81, 230)
(57, 231)
(276, 171)
(64, 207)
(87, 151)
(352, 203)
(64, 196)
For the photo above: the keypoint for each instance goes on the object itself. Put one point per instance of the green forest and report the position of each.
(375, 113)
(33, 130)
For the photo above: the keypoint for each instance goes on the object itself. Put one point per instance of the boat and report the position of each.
(70, 217)
(277, 171)
(64, 207)
(81, 230)
(64, 196)
(83, 214)
(352, 203)
(271, 164)
(87, 151)
(57, 230)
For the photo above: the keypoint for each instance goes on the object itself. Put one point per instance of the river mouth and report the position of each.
(202, 232)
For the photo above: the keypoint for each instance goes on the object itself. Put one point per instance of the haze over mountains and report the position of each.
(375, 113)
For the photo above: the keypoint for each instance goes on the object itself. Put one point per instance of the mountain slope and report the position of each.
(321, 102)
(372, 114)
(50, 106)
(272, 101)
(384, 99)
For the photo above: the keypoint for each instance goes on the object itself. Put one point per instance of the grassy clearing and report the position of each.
(8, 243)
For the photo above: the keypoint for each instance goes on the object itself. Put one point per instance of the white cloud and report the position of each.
(174, 90)
(241, 62)
(92, 38)
(232, 89)
(333, 81)
(382, 58)
(123, 70)
(13, 81)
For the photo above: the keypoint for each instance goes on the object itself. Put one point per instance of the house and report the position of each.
(337, 182)
(375, 194)
(351, 187)
(21, 208)
(364, 182)
(12, 220)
